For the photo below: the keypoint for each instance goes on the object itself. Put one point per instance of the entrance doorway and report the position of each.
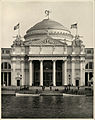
(18, 82)
(48, 72)
(47, 78)
(86, 79)
(77, 82)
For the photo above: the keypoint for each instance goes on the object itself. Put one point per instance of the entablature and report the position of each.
(47, 58)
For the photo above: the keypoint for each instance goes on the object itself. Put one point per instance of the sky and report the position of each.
(28, 13)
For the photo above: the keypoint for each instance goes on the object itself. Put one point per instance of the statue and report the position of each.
(47, 12)
(18, 41)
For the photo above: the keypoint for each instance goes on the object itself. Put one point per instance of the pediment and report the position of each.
(46, 41)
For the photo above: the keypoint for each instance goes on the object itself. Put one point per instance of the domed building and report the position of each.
(45, 58)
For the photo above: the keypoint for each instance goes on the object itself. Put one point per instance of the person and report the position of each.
(78, 87)
(43, 88)
(37, 91)
(50, 88)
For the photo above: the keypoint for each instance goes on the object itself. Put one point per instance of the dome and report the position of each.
(48, 27)
(48, 24)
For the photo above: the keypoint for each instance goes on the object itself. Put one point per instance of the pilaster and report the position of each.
(82, 73)
(22, 73)
(73, 71)
(65, 73)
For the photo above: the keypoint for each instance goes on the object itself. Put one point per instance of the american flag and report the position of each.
(74, 26)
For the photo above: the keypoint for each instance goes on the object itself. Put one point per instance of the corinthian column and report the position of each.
(41, 73)
(54, 73)
(30, 73)
(65, 73)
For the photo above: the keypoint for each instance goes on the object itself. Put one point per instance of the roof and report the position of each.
(48, 24)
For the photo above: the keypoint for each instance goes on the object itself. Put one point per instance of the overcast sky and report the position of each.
(30, 13)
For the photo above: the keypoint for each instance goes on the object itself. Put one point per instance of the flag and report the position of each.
(74, 26)
(16, 27)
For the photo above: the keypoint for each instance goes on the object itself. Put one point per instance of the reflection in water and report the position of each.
(47, 107)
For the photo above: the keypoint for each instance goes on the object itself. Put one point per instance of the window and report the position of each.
(2, 66)
(2, 51)
(9, 66)
(7, 51)
(5, 65)
(89, 65)
(89, 51)
(86, 67)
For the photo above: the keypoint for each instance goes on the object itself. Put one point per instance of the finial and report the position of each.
(47, 12)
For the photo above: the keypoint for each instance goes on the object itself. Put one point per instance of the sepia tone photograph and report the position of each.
(47, 59)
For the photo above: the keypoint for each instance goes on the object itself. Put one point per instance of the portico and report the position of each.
(50, 71)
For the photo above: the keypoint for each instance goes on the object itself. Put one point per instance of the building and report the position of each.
(49, 55)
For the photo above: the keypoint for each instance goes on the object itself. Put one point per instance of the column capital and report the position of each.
(30, 60)
(41, 60)
(54, 60)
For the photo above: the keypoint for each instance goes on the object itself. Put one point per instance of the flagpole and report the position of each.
(19, 30)
(76, 30)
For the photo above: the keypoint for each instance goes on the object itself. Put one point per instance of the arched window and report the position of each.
(89, 65)
(2, 66)
(5, 65)
(9, 66)
(86, 67)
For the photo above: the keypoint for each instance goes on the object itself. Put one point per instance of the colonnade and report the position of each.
(64, 73)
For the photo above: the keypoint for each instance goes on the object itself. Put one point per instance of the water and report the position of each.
(47, 107)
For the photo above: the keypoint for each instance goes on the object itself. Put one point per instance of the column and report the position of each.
(62, 72)
(54, 73)
(73, 72)
(7, 79)
(41, 73)
(22, 72)
(30, 73)
(82, 74)
(65, 73)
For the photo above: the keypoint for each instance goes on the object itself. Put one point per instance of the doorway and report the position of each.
(77, 82)
(18, 82)
(47, 73)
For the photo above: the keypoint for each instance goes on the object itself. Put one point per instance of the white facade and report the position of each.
(45, 58)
